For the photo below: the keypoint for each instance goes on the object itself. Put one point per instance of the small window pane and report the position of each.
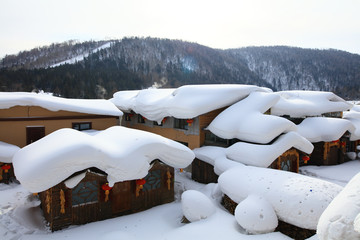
(85, 193)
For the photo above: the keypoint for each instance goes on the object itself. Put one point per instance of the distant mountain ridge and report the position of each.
(97, 69)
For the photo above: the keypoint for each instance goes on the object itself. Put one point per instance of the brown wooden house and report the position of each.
(93, 200)
(26, 117)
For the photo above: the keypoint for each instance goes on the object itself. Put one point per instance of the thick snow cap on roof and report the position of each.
(7, 151)
(297, 199)
(184, 102)
(90, 106)
(323, 129)
(252, 154)
(245, 120)
(354, 117)
(308, 103)
(263, 155)
(124, 154)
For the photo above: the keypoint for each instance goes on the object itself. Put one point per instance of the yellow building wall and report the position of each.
(13, 130)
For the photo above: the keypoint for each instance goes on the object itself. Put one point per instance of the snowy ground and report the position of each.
(20, 218)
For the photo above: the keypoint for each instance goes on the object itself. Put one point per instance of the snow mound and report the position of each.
(196, 205)
(354, 117)
(308, 103)
(90, 106)
(264, 155)
(184, 102)
(296, 199)
(357, 223)
(256, 215)
(124, 154)
(337, 221)
(318, 129)
(245, 120)
(7, 151)
(351, 155)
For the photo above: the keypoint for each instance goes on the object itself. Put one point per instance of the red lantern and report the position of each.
(106, 187)
(335, 141)
(343, 144)
(130, 115)
(5, 167)
(190, 121)
(140, 182)
(164, 120)
(305, 159)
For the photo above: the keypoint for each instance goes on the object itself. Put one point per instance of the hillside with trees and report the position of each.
(104, 67)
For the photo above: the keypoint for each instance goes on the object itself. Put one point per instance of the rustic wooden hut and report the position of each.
(92, 199)
(100, 175)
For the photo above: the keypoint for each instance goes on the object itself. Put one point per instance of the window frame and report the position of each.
(74, 124)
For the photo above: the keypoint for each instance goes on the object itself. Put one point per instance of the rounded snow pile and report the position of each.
(339, 220)
(256, 215)
(196, 205)
(297, 199)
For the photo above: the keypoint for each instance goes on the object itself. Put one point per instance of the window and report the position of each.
(85, 193)
(285, 165)
(82, 126)
(212, 139)
(153, 180)
(128, 117)
(181, 124)
(141, 119)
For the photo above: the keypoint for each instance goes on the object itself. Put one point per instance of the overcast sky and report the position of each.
(323, 24)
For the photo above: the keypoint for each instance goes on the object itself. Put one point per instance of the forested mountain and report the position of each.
(97, 69)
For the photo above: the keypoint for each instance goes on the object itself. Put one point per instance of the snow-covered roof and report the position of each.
(323, 129)
(354, 117)
(245, 120)
(297, 199)
(263, 155)
(184, 102)
(90, 106)
(338, 221)
(308, 103)
(7, 151)
(124, 154)
(252, 154)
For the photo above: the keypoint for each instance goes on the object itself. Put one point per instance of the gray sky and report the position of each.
(323, 24)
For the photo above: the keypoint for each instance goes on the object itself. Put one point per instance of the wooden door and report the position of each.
(34, 133)
(121, 197)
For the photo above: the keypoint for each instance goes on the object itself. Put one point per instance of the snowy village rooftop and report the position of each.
(184, 102)
(7, 151)
(124, 154)
(308, 103)
(89, 106)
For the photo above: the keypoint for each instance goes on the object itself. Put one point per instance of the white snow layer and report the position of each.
(90, 106)
(124, 154)
(317, 129)
(245, 120)
(263, 155)
(296, 199)
(337, 221)
(354, 118)
(196, 205)
(251, 154)
(184, 102)
(7, 151)
(256, 215)
(308, 103)
(81, 56)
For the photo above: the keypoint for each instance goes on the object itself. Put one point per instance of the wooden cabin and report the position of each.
(92, 199)
(328, 153)
(24, 123)
(190, 132)
(203, 172)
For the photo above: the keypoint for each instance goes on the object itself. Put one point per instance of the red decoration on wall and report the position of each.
(343, 144)
(106, 187)
(190, 121)
(335, 141)
(305, 159)
(140, 182)
(5, 167)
